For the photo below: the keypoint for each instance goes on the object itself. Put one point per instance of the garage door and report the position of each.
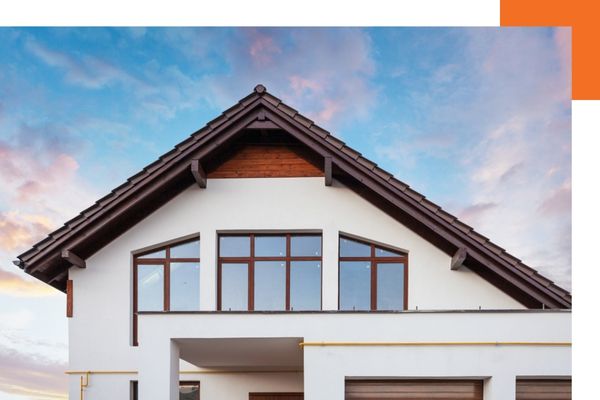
(543, 389)
(414, 389)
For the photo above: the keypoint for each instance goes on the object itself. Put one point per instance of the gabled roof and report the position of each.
(160, 181)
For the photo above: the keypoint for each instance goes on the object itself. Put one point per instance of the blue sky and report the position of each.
(478, 120)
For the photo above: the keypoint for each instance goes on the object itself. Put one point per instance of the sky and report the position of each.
(476, 119)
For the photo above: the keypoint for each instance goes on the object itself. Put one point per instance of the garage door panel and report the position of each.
(414, 389)
(543, 389)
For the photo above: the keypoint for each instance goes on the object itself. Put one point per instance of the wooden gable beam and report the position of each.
(458, 258)
(328, 171)
(72, 258)
(199, 174)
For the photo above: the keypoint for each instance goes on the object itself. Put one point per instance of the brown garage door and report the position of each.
(543, 389)
(421, 389)
(276, 396)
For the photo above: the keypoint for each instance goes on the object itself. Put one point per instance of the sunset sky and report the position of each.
(478, 120)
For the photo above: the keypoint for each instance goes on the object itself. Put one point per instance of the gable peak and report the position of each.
(260, 88)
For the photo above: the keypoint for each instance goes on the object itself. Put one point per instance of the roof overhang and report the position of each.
(159, 182)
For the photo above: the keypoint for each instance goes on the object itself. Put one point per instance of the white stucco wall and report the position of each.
(100, 331)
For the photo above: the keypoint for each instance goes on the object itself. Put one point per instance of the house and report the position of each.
(262, 258)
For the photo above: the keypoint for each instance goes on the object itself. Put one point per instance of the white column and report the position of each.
(158, 377)
(208, 270)
(321, 381)
(330, 269)
(500, 387)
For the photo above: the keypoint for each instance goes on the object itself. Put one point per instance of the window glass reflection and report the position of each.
(307, 246)
(305, 285)
(352, 248)
(269, 285)
(379, 252)
(390, 286)
(154, 254)
(355, 285)
(185, 286)
(234, 246)
(234, 286)
(150, 287)
(269, 246)
(186, 250)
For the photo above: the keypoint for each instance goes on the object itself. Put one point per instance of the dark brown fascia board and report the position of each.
(453, 234)
(151, 182)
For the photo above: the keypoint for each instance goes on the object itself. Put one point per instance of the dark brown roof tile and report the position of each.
(303, 120)
(366, 163)
(334, 141)
(319, 131)
(431, 206)
(351, 152)
(287, 109)
(414, 194)
(382, 174)
(398, 184)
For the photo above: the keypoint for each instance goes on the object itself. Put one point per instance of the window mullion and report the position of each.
(167, 280)
(373, 279)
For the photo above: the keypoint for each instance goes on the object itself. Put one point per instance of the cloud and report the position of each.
(86, 71)
(13, 284)
(502, 103)
(473, 213)
(326, 73)
(29, 375)
(17, 231)
(558, 202)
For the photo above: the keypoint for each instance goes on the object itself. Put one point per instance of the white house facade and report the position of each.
(264, 259)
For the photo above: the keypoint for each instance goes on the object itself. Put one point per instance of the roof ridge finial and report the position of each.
(260, 88)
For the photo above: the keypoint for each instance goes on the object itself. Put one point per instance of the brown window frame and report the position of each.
(166, 264)
(374, 260)
(134, 390)
(251, 259)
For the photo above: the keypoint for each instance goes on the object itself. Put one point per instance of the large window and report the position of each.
(167, 279)
(269, 272)
(371, 277)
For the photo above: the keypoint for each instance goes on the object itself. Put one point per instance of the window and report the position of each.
(269, 272)
(371, 277)
(188, 390)
(167, 279)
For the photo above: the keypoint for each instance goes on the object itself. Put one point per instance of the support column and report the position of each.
(500, 387)
(321, 380)
(330, 269)
(158, 377)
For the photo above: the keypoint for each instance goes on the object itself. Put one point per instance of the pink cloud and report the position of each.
(18, 231)
(558, 202)
(27, 375)
(14, 285)
(326, 73)
(262, 48)
(473, 213)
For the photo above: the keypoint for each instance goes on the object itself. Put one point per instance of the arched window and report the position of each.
(371, 276)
